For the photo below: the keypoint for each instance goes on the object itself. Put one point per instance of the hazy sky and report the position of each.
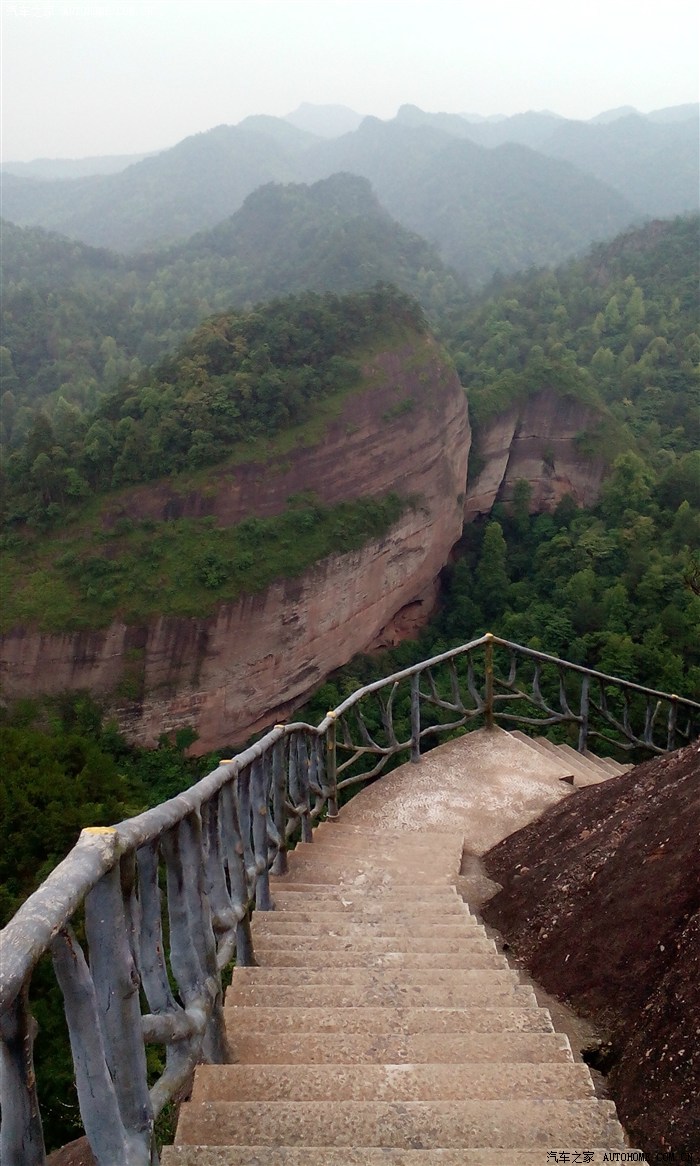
(85, 77)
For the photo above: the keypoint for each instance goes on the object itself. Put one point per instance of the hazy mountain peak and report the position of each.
(279, 128)
(451, 123)
(325, 121)
(613, 114)
(675, 112)
(478, 118)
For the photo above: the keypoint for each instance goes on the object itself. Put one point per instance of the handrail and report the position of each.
(193, 869)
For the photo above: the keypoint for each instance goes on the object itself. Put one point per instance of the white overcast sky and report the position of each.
(83, 77)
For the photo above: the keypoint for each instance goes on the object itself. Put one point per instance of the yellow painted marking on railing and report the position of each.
(332, 714)
(99, 829)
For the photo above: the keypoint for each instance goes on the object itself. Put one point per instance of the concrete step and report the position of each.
(607, 763)
(345, 1048)
(321, 961)
(390, 1082)
(270, 923)
(305, 940)
(381, 1020)
(329, 826)
(373, 1156)
(369, 904)
(365, 979)
(551, 753)
(472, 993)
(344, 877)
(356, 847)
(371, 915)
(376, 841)
(319, 882)
(369, 1156)
(329, 893)
(340, 872)
(404, 1125)
(594, 768)
(584, 772)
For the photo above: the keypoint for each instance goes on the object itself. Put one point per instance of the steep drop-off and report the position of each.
(404, 430)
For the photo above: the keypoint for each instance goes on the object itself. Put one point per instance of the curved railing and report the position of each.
(162, 902)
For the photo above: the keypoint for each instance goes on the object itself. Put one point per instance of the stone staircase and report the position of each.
(382, 1025)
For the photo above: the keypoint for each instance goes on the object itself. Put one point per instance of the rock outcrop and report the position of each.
(234, 672)
(535, 440)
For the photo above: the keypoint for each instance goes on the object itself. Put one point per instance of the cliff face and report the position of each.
(237, 671)
(535, 441)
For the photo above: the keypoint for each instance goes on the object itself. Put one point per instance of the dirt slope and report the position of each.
(601, 900)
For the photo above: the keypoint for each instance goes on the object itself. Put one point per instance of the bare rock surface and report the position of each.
(601, 900)
(535, 440)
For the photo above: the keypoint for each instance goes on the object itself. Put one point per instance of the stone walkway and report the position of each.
(382, 1025)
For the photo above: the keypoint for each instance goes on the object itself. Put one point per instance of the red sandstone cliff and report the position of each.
(535, 441)
(234, 672)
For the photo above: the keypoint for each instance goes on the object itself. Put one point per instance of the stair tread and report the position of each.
(326, 886)
(430, 1124)
(512, 1017)
(370, 1047)
(382, 927)
(350, 941)
(379, 976)
(398, 995)
(391, 1082)
(374, 1156)
(368, 913)
(316, 963)
(364, 906)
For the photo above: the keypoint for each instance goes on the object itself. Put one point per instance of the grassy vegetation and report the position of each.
(184, 567)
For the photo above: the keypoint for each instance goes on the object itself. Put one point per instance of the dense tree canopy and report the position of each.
(619, 328)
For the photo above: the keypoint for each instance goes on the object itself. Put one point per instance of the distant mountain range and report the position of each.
(491, 195)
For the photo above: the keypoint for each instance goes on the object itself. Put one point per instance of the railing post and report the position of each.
(415, 717)
(585, 713)
(332, 767)
(672, 722)
(488, 708)
(279, 809)
(97, 1090)
(260, 807)
(116, 986)
(21, 1138)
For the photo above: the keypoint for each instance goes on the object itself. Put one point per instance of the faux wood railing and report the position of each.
(162, 902)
